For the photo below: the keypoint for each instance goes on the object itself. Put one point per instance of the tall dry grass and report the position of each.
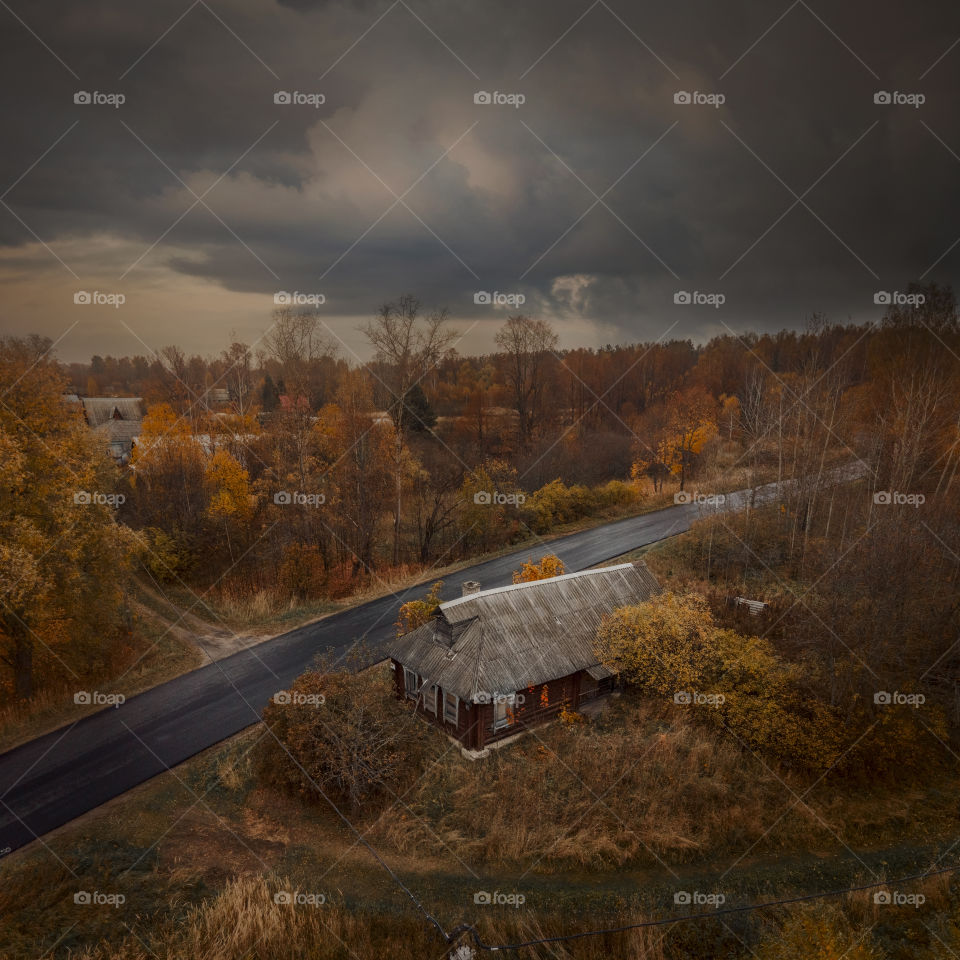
(242, 922)
(642, 785)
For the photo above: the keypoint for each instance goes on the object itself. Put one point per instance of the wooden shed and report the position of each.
(495, 662)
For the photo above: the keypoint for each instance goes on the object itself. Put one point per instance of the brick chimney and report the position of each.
(470, 586)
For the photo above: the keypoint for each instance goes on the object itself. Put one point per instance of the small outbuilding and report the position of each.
(496, 662)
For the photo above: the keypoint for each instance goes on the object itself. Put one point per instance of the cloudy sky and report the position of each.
(782, 188)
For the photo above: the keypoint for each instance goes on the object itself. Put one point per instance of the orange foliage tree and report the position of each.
(414, 613)
(549, 566)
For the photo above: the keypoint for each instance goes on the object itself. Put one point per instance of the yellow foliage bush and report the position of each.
(414, 613)
(549, 566)
(671, 646)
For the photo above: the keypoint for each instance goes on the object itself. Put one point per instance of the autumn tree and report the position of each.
(437, 479)
(168, 472)
(301, 352)
(237, 377)
(229, 503)
(63, 558)
(661, 645)
(692, 424)
(415, 613)
(655, 453)
(671, 647)
(484, 521)
(549, 566)
(355, 452)
(528, 345)
(408, 344)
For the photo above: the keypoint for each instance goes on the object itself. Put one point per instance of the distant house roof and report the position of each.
(219, 395)
(503, 640)
(98, 410)
(119, 431)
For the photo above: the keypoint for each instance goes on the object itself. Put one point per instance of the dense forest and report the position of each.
(282, 469)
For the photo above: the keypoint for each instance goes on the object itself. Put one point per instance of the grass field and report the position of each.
(200, 852)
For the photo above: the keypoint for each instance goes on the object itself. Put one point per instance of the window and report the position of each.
(451, 707)
(410, 685)
(430, 697)
(503, 710)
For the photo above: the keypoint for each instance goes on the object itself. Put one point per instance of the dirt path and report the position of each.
(214, 642)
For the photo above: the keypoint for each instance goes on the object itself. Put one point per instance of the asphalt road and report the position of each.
(51, 780)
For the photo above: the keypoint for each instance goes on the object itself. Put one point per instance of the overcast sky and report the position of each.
(598, 198)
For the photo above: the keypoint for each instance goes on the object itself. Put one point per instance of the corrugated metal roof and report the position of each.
(503, 640)
(120, 431)
(99, 410)
(599, 672)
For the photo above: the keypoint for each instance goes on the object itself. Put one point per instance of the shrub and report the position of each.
(672, 646)
(415, 613)
(549, 566)
(344, 733)
(617, 493)
(168, 557)
(663, 646)
(301, 571)
(819, 933)
(555, 503)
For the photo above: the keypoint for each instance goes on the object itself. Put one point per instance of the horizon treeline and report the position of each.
(311, 479)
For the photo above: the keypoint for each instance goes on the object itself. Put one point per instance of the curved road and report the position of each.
(51, 780)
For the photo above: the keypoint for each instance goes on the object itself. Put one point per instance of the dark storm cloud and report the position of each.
(598, 198)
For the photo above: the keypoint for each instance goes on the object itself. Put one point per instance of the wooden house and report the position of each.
(495, 662)
(117, 419)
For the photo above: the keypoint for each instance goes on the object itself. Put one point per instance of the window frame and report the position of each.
(430, 697)
(413, 692)
(505, 703)
(456, 708)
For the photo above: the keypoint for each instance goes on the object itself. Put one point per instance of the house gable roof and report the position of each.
(99, 410)
(506, 639)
